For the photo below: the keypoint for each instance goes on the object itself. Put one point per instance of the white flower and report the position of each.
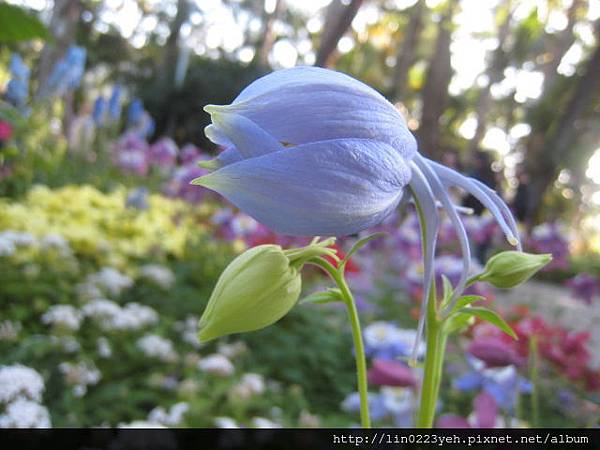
(110, 280)
(261, 422)
(217, 365)
(397, 400)
(157, 347)
(18, 238)
(63, 316)
(225, 422)
(243, 225)
(111, 316)
(161, 275)
(172, 418)
(103, 347)
(381, 333)
(232, 350)
(25, 414)
(20, 381)
(189, 331)
(7, 247)
(56, 241)
(249, 385)
(140, 424)
(80, 375)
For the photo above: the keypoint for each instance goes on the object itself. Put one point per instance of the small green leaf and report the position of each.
(320, 298)
(457, 322)
(491, 317)
(466, 301)
(361, 243)
(17, 24)
(448, 291)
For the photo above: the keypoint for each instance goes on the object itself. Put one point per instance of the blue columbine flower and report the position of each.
(99, 112)
(311, 151)
(17, 90)
(67, 73)
(114, 103)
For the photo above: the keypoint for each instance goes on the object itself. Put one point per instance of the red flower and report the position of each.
(350, 266)
(391, 373)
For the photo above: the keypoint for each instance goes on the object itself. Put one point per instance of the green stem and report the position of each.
(359, 349)
(436, 337)
(434, 361)
(533, 374)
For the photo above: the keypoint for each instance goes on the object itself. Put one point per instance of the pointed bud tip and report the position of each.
(213, 109)
(210, 164)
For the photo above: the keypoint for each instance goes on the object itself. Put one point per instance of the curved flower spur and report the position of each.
(311, 151)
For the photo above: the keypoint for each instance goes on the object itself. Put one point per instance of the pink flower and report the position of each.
(5, 130)
(486, 410)
(494, 352)
(391, 373)
(452, 421)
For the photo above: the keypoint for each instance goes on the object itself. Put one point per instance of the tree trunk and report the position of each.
(405, 57)
(267, 35)
(63, 25)
(338, 19)
(546, 153)
(435, 91)
(171, 52)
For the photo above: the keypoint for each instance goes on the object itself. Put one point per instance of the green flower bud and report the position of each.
(509, 269)
(256, 290)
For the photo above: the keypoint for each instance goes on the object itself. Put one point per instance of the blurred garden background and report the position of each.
(108, 255)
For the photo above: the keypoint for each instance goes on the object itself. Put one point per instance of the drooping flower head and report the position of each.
(311, 151)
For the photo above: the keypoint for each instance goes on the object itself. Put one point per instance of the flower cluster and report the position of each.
(21, 390)
(155, 346)
(80, 376)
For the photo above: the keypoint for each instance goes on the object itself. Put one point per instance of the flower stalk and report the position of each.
(337, 275)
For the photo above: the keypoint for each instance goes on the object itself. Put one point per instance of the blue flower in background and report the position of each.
(135, 112)
(99, 112)
(17, 91)
(67, 73)
(503, 384)
(114, 103)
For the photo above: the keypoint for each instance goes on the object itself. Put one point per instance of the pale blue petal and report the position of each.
(248, 138)
(442, 195)
(486, 196)
(309, 104)
(430, 226)
(334, 188)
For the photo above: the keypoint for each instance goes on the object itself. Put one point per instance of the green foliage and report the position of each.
(310, 348)
(179, 112)
(18, 25)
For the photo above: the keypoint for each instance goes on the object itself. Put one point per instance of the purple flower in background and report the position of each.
(179, 185)
(189, 154)
(452, 421)
(494, 352)
(163, 153)
(386, 372)
(486, 410)
(134, 161)
(550, 238)
(584, 287)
